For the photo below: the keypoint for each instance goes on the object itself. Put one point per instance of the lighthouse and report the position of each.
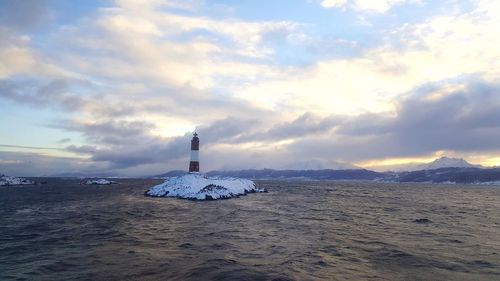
(194, 164)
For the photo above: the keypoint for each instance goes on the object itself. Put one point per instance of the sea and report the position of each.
(299, 230)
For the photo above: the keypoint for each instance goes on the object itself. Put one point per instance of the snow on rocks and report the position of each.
(487, 183)
(6, 180)
(100, 182)
(200, 187)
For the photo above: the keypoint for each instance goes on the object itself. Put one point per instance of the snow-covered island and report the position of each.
(6, 180)
(196, 186)
(100, 182)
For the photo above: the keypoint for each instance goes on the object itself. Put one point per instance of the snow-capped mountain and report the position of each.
(447, 162)
(443, 162)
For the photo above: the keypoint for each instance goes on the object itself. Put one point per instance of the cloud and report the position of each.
(305, 125)
(18, 58)
(64, 140)
(333, 3)
(169, 49)
(129, 144)
(27, 147)
(429, 119)
(465, 120)
(34, 164)
(183, 73)
(135, 78)
(153, 150)
(56, 93)
(25, 14)
(17, 19)
(109, 132)
(83, 149)
(377, 6)
(440, 48)
(227, 129)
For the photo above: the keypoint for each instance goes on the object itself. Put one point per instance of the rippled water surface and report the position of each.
(297, 231)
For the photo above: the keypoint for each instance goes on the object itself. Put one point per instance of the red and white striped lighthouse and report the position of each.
(194, 164)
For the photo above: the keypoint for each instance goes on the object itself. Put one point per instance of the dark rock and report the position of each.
(423, 221)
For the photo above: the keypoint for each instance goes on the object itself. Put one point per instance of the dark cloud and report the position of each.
(83, 149)
(305, 125)
(113, 133)
(55, 93)
(426, 122)
(64, 140)
(27, 147)
(123, 144)
(199, 105)
(423, 123)
(115, 110)
(226, 129)
(33, 164)
(128, 144)
(429, 119)
(153, 149)
(157, 152)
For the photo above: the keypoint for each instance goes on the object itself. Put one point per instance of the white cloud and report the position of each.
(377, 6)
(17, 57)
(137, 42)
(442, 48)
(333, 3)
(143, 44)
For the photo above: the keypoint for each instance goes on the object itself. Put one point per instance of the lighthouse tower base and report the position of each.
(194, 167)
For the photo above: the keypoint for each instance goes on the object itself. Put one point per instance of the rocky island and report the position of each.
(100, 182)
(200, 187)
(7, 181)
(196, 186)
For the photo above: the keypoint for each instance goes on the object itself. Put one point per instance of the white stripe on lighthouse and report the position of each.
(194, 155)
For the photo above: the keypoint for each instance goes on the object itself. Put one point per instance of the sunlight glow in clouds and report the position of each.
(125, 82)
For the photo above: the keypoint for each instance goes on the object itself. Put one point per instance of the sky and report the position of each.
(118, 87)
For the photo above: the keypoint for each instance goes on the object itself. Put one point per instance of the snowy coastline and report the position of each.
(100, 182)
(8, 181)
(200, 187)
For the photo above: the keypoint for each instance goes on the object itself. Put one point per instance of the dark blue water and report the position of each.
(297, 231)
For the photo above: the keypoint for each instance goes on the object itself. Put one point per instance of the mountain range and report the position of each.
(443, 162)
(447, 162)
(442, 170)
